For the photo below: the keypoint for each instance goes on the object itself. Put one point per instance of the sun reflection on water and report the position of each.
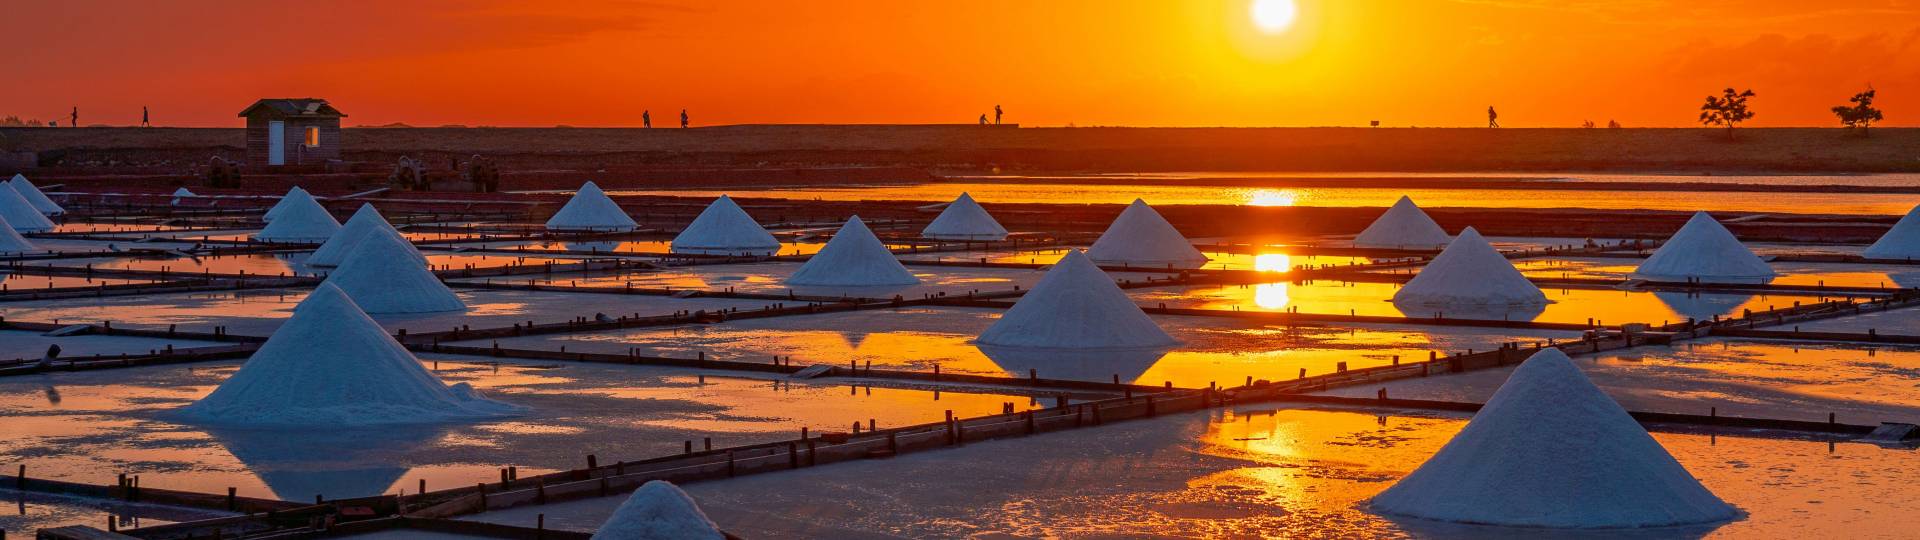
(1272, 197)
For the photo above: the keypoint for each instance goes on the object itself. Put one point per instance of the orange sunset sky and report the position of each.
(1543, 63)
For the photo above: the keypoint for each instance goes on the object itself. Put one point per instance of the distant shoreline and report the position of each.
(1688, 151)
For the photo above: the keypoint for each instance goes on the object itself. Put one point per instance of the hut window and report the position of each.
(313, 137)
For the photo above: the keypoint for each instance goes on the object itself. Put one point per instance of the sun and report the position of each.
(1272, 16)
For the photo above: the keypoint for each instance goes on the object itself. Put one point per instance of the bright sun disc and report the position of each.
(1272, 15)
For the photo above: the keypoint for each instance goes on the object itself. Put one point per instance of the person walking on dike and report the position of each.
(143, 117)
(646, 119)
(73, 120)
(683, 118)
(1493, 118)
(996, 115)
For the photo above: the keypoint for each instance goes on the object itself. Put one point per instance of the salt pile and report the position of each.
(21, 214)
(384, 274)
(1470, 272)
(659, 510)
(32, 194)
(11, 241)
(331, 366)
(1402, 226)
(301, 220)
(365, 222)
(292, 195)
(725, 228)
(1550, 449)
(1076, 305)
(964, 219)
(1900, 242)
(1140, 237)
(853, 258)
(591, 210)
(179, 194)
(1704, 250)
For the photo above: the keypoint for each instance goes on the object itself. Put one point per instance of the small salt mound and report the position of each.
(725, 228)
(964, 219)
(1550, 449)
(659, 510)
(1140, 237)
(330, 365)
(11, 241)
(292, 195)
(365, 222)
(591, 210)
(1076, 305)
(1706, 251)
(301, 220)
(1470, 272)
(853, 258)
(179, 194)
(1403, 226)
(34, 197)
(21, 215)
(384, 274)
(1900, 242)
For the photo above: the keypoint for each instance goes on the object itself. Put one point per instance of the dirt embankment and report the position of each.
(164, 150)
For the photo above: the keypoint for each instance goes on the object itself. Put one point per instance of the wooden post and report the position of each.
(593, 462)
(233, 502)
(793, 455)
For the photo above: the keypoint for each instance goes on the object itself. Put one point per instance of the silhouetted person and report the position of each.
(646, 119)
(683, 118)
(143, 117)
(1493, 118)
(996, 115)
(73, 120)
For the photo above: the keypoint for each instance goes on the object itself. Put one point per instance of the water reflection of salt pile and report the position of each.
(1704, 307)
(1550, 449)
(330, 463)
(1127, 365)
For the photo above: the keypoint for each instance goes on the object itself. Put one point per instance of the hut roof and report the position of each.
(291, 107)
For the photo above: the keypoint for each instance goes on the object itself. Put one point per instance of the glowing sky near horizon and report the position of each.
(1543, 63)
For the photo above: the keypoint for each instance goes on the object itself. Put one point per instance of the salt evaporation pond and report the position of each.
(771, 278)
(33, 345)
(1572, 306)
(1168, 195)
(1896, 322)
(29, 512)
(1859, 383)
(1249, 471)
(259, 312)
(1791, 273)
(90, 426)
(1221, 350)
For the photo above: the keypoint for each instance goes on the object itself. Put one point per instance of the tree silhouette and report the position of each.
(1726, 110)
(1861, 114)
